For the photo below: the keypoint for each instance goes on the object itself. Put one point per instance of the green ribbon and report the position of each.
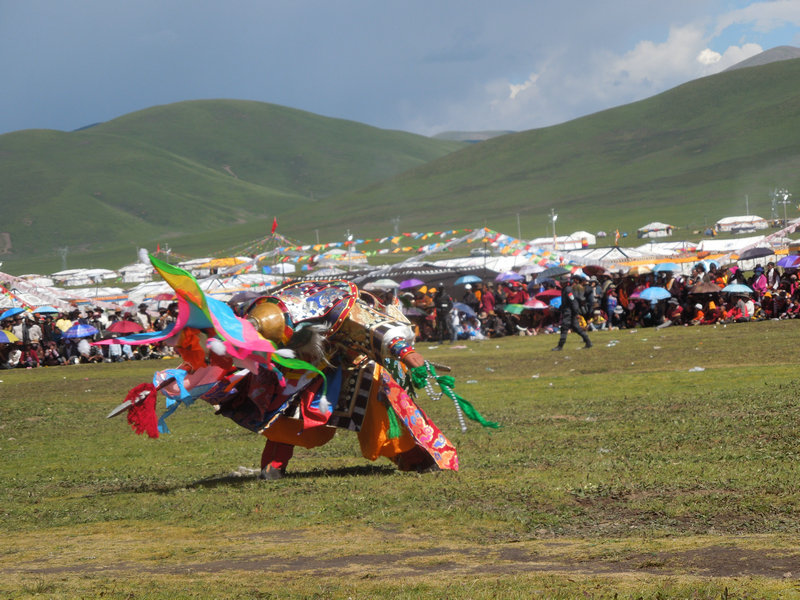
(297, 364)
(394, 426)
(447, 383)
(419, 376)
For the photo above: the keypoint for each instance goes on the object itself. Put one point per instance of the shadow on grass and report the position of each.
(239, 479)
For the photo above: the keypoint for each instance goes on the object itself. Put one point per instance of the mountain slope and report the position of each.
(185, 168)
(687, 156)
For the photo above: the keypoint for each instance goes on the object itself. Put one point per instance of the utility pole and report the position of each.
(519, 229)
(553, 218)
(785, 195)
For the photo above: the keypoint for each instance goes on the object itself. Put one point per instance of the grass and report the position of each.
(617, 471)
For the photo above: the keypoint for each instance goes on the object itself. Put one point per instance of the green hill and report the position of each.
(688, 157)
(208, 175)
(215, 170)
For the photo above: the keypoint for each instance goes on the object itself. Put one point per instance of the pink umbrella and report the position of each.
(535, 304)
(124, 327)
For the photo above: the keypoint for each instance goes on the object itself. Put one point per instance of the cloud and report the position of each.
(514, 90)
(565, 84)
(762, 16)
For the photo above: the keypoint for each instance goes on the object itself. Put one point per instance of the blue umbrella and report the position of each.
(556, 302)
(11, 312)
(45, 310)
(467, 310)
(737, 288)
(464, 279)
(667, 266)
(79, 330)
(654, 293)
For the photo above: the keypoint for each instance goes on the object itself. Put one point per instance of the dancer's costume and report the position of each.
(233, 363)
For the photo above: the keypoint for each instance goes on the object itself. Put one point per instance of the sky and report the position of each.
(424, 66)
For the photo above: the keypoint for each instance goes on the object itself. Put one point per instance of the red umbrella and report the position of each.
(593, 270)
(124, 327)
(129, 303)
(548, 295)
(164, 297)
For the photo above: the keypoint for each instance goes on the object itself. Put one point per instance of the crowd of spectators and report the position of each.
(47, 340)
(523, 306)
(608, 300)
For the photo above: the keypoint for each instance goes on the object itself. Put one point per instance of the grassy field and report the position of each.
(619, 472)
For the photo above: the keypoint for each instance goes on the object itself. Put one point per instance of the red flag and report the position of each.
(274, 224)
(158, 248)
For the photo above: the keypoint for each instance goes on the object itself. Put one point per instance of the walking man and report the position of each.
(570, 311)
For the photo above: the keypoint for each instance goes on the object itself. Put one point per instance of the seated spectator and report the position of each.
(699, 315)
(88, 353)
(51, 357)
(618, 319)
(598, 321)
(13, 356)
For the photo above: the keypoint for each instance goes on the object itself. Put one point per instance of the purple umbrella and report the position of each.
(789, 262)
(509, 276)
(410, 283)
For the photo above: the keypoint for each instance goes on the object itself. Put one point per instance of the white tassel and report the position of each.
(216, 346)
(324, 405)
(285, 353)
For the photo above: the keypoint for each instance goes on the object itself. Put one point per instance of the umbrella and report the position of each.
(556, 302)
(163, 297)
(413, 311)
(594, 270)
(6, 337)
(530, 269)
(513, 309)
(45, 310)
(789, 262)
(640, 270)
(12, 312)
(79, 330)
(461, 307)
(381, 284)
(410, 283)
(737, 288)
(551, 273)
(548, 294)
(124, 327)
(756, 253)
(654, 293)
(535, 304)
(509, 276)
(667, 266)
(464, 279)
(704, 287)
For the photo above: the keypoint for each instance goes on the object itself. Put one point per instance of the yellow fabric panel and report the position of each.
(373, 436)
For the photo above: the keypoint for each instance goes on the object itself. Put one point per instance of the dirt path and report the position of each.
(711, 561)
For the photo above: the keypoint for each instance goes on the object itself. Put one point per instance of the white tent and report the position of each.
(745, 224)
(563, 242)
(136, 273)
(655, 230)
(730, 245)
(583, 236)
